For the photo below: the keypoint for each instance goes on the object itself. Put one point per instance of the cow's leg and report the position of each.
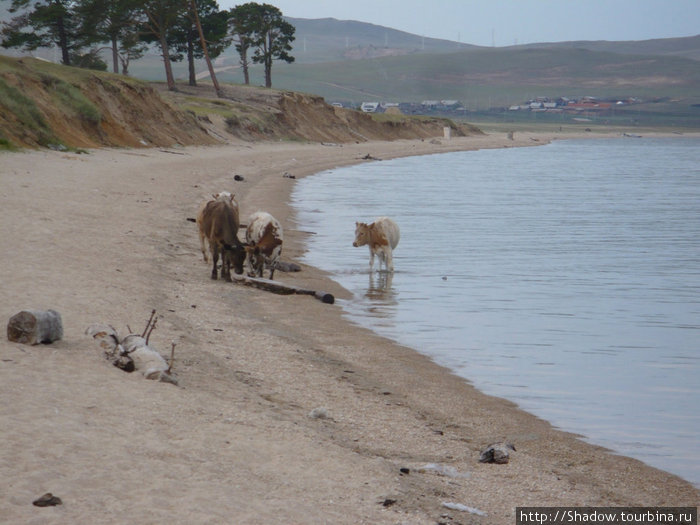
(201, 243)
(215, 258)
(388, 259)
(371, 260)
(226, 264)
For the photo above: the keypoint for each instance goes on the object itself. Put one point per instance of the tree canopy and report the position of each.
(261, 27)
(179, 28)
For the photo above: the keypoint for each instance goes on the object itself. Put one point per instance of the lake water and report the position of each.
(564, 277)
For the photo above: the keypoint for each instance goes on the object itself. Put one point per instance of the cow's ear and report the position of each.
(215, 195)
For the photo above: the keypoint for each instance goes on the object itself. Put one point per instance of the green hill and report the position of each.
(353, 62)
(488, 77)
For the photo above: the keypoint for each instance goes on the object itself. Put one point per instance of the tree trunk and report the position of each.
(203, 41)
(190, 62)
(115, 54)
(63, 42)
(168, 66)
(268, 62)
(244, 64)
(35, 326)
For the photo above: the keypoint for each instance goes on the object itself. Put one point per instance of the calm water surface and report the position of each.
(565, 278)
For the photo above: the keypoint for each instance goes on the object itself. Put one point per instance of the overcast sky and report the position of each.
(508, 22)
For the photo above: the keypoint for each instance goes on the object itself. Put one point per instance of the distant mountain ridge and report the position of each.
(329, 39)
(684, 47)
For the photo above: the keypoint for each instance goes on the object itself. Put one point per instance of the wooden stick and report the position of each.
(148, 336)
(172, 358)
(283, 289)
(148, 324)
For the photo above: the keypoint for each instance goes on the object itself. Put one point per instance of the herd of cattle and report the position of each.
(218, 222)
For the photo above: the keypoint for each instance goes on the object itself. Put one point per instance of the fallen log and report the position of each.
(282, 289)
(35, 326)
(131, 353)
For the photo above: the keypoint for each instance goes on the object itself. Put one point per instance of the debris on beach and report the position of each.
(47, 500)
(35, 327)
(134, 352)
(319, 413)
(284, 266)
(443, 470)
(496, 453)
(463, 508)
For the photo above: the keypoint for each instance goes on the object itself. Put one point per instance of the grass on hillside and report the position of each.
(14, 102)
(60, 81)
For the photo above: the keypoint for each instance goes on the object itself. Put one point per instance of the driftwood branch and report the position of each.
(282, 289)
(132, 353)
(150, 331)
(172, 358)
(148, 324)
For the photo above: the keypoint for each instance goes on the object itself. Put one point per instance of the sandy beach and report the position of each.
(103, 237)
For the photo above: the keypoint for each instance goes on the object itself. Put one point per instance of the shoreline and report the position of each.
(252, 367)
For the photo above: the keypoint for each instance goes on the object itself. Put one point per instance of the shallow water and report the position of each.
(565, 278)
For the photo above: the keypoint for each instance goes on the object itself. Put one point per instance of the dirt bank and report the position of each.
(48, 105)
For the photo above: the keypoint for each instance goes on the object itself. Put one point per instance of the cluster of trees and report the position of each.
(193, 29)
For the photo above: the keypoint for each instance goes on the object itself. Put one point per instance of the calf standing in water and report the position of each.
(381, 236)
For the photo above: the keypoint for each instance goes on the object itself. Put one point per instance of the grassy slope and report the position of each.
(48, 105)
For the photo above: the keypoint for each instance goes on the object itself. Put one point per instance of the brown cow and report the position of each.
(218, 222)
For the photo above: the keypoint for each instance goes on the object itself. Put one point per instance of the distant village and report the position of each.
(583, 105)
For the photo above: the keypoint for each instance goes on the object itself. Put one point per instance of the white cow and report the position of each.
(264, 238)
(382, 236)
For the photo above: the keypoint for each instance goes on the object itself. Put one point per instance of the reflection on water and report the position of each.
(379, 288)
(565, 278)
